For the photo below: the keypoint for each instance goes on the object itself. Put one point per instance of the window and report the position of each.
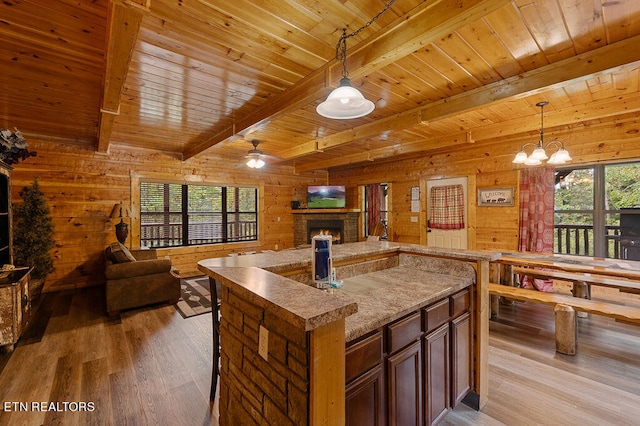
(184, 215)
(597, 211)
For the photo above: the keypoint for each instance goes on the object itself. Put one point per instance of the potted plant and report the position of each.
(33, 236)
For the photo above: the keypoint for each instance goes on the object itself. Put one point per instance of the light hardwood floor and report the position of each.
(151, 366)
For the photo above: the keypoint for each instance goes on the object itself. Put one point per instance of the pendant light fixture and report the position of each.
(539, 154)
(346, 101)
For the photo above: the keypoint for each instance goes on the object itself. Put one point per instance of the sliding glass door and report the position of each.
(597, 211)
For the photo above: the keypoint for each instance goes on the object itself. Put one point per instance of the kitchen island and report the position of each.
(285, 343)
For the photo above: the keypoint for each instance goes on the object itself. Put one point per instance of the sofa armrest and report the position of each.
(145, 254)
(134, 269)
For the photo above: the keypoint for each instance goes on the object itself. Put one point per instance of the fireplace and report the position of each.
(342, 223)
(335, 228)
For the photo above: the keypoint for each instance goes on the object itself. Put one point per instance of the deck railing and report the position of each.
(578, 239)
(171, 235)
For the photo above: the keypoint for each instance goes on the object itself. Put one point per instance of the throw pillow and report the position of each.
(121, 253)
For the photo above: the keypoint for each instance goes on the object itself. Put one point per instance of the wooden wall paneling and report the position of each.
(492, 234)
(404, 229)
(486, 165)
(82, 186)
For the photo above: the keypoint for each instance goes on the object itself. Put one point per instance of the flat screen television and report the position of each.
(326, 197)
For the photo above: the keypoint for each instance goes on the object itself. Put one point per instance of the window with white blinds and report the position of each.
(185, 215)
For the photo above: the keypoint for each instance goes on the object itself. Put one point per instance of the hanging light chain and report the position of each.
(341, 47)
(542, 105)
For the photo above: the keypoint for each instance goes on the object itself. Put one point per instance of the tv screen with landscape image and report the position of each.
(326, 197)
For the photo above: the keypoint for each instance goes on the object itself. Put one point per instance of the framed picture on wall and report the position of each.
(495, 197)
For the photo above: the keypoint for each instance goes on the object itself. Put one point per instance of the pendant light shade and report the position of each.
(345, 102)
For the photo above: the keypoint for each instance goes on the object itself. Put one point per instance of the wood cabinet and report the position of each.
(461, 357)
(405, 386)
(437, 374)
(448, 355)
(414, 370)
(15, 306)
(365, 401)
(365, 392)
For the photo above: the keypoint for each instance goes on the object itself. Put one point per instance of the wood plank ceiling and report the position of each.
(202, 77)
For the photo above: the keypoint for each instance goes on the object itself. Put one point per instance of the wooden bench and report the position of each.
(565, 307)
(622, 284)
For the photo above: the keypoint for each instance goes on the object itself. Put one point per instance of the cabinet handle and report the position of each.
(25, 300)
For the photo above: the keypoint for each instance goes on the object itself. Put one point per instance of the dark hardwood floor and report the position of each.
(151, 366)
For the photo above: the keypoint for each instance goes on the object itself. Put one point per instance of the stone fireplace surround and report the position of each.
(349, 217)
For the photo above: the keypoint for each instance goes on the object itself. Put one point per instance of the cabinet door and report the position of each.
(461, 379)
(365, 399)
(405, 386)
(437, 398)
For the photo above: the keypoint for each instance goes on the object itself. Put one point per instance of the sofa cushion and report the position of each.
(120, 254)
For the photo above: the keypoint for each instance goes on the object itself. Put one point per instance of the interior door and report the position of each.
(448, 238)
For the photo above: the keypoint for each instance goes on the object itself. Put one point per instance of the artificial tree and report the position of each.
(33, 236)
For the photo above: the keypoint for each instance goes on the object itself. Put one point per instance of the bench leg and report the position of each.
(495, 306)
(566, 329)
(582, 290)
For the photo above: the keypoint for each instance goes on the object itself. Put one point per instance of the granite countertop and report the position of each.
(367, 301)
(296, 303)
(387, 295)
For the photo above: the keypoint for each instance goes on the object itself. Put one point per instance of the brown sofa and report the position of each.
(143, 281)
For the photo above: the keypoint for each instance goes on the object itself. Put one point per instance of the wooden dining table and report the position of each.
(622, 274)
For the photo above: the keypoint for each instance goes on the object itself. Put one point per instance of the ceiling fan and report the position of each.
(256, 158)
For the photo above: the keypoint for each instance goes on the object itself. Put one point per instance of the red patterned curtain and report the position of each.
(536, 217)
(374, 201)
(447, 207)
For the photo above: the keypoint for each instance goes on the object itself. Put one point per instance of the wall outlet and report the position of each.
(263, 343)
(414, 219)
(276, 247)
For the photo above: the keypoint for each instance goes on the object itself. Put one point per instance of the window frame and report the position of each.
(600, 212)
(185, 240)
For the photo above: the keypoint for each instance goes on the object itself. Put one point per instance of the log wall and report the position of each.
(82, 186)
(487, 165)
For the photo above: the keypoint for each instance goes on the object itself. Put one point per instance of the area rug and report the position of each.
(195, 297)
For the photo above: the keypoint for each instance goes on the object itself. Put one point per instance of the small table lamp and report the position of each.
(122, 229)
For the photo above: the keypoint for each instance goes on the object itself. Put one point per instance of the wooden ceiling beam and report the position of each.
(581, 67)
(422, 25)
(124, 19)
(598, 110)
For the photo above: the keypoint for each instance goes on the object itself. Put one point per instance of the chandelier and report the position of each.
(346, 101)
(539, 154)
